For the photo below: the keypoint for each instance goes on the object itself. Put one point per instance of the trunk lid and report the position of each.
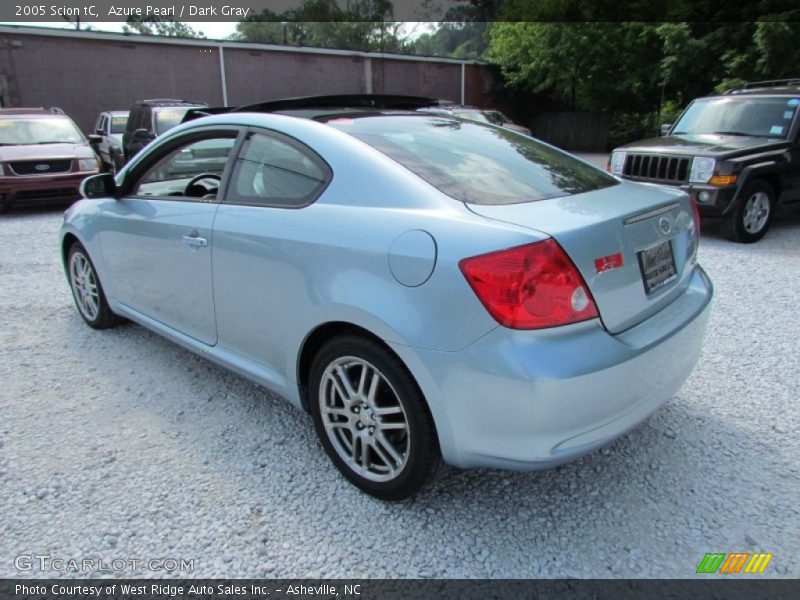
(641, 223)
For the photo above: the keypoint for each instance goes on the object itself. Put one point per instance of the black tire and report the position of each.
(421, 447)
(736, 226)
(104, 319)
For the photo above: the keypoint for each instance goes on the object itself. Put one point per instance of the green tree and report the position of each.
(364, 25)
(586, 66)
(156, 26)
(778, 49)
(454, 39)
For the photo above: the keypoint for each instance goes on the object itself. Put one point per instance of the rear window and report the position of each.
(475, 163)
(118, 124)
(167, 118)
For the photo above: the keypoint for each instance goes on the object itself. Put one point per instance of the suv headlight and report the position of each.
(617, 162)
(88, 164)
(702, 169)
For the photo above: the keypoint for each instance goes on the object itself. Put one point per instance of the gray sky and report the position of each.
(214, 30)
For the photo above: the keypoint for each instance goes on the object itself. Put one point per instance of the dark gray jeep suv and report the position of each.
(737, 155)
(150, 118)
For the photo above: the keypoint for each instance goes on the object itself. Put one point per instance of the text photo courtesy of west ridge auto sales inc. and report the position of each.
(386, 299)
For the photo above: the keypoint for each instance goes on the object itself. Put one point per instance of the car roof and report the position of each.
(155, 103)
(456, 108)
(29, 112)
(326, 114)
(319, 107)
(319, 117)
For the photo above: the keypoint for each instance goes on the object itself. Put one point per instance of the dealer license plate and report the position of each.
(658, 266)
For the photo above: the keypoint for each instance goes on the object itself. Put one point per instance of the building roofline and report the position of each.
(225, 44)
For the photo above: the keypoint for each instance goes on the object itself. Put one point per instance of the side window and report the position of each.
(143, 119)
(192, 171)
(134, 119)
(276, 171)
(104, 124)
(99, 124)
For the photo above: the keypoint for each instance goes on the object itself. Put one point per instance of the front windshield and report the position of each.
(167, 118)
(759, 117)
(118, 124)
(476, 163)
(47, 130)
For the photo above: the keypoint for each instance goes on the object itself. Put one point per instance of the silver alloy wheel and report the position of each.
(84, 286)
(756, 212)
(364, 419)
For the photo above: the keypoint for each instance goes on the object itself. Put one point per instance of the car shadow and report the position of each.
(663, 477)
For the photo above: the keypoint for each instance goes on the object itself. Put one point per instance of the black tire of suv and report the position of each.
(733, 224)
(105, 318)
(424, 458)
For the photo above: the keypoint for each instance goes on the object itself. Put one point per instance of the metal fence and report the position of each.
(586, 131)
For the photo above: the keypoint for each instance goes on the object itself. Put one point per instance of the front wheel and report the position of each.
(372, 419)
(87, 290)
(752, 216)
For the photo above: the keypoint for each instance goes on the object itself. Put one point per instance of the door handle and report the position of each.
(194, 241)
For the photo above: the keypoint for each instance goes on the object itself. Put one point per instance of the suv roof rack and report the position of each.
(771, 83)
(385, 101)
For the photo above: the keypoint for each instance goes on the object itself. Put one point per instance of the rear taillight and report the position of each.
(530, 287)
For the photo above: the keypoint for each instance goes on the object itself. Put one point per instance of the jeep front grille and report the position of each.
(653, 167)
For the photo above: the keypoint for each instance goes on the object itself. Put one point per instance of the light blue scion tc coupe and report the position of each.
(428, 288)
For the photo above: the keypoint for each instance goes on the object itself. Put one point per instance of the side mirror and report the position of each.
(94, 140)
(665, 128)
(142, 135)
(99, 131)
(99, 186)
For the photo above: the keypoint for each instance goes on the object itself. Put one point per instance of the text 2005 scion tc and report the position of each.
(426, 287)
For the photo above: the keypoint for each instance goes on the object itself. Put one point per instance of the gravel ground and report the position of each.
(119, 445)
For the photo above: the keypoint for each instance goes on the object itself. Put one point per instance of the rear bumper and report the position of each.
(41, 189)
(531, 400)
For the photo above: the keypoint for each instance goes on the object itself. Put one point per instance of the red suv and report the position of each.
(43, 157)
